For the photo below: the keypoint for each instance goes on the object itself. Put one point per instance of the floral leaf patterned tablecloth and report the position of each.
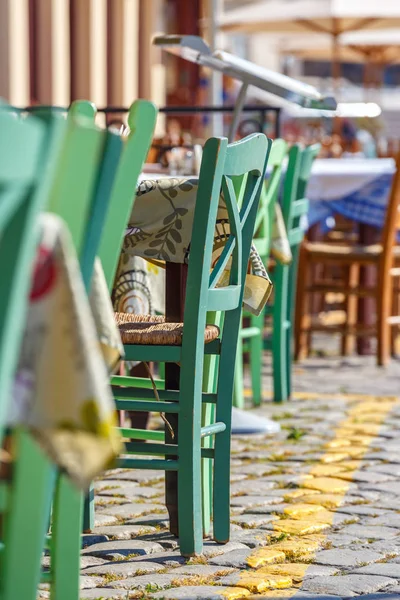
(160, 230)
(69, 348)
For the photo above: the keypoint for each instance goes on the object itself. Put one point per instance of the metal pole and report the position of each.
(216, 87)
(236, 113)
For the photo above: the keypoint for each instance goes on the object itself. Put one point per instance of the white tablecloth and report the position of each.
(333, 178)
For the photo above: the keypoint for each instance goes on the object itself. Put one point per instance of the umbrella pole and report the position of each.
(236, 113)
(336, 73)
(336, 69)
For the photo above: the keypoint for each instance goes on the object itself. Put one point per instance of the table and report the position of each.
(69, 349)
(357, 189)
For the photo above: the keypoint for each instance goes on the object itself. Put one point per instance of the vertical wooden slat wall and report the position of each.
(51, 65)
(89, 55)
(14, 51)
(56, 51)
(123, 51)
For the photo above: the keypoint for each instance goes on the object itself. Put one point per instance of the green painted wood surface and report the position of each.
(221, 166)
(28, 153)
(262, 241)
(294, 207)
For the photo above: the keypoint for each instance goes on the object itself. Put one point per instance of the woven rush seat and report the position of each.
(320, 250)
(153, 330)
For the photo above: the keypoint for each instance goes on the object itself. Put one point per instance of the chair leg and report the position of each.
(289, 359)
(221, 499)
(27, 521)
(66, 541)
(279, 354)
(189, 490)
(351, 304)
(89, 511)
(256, 356)
(302, 319)
(208, 417)
(238, 394)
(395, 330)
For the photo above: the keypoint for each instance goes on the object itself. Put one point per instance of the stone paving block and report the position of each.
(122, 548)
(205, 592)
(389, 519)
(387, 547)
(141, 476)
(255, 581)
(124, 569)
(386, 569)
(101, 520)
(86, 582)
(363, 510)
(86, 561)
(320, 571)
(340, 540)
(250, 500)
(236, 559)
(124, 532)
(89, 539)
(170, 558)
(389, 502)
(371, 532)
(346, 558)
(269, 507)
(366, 477)
(347, 585)
(128, 510)
(203, 570)
(102, 594)
(254, 520)
(256, 469)
(211, 548)
(129, 489)
(253, 487)
(253, 538)
(389, 487)
(90, 561)
(164, 538)
(152, 520)
(393, 469)
(295, 527)
(389, 595)
(141, 582)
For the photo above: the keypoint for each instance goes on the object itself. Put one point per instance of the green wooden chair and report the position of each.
(188, 343)
(23, 181)
(106, 170)
(281, 310)
(75, 151)
(84, 170)
(252, 335)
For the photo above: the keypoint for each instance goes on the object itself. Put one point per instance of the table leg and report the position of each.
(175, 287)
(366, 306)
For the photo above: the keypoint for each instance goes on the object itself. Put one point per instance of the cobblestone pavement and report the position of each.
(315, 509)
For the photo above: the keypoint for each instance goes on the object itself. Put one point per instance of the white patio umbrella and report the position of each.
(330, 17)
(375, 49)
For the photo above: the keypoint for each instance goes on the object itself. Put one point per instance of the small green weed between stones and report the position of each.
(296, 434)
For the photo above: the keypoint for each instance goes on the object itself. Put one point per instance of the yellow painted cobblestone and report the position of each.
(309, 506)
(235, 593)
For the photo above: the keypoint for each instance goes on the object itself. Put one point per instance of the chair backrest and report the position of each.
(22, 155)
(141, 121)
(222, 163)
(294, 203)
(269, 196)
(392, 220)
